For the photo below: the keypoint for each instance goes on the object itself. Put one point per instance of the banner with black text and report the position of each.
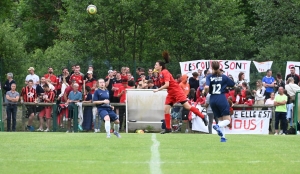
(233, 67)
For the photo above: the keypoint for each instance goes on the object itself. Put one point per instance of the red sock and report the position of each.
(197, 112)
(168, 121)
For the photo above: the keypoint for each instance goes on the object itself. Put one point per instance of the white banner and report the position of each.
(263, 66)
(145, 107)
(233, 67)
(243, 122)
(290, 64)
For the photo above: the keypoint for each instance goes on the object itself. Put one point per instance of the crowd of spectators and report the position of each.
(68, 88)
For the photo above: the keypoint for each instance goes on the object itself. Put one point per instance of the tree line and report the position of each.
(133, 33)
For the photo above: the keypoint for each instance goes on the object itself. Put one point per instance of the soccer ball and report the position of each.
(91, 9)
(140, 131)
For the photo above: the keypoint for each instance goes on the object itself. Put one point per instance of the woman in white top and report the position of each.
(270, 102)
(291, 88)
(241, 80)
(259, 94)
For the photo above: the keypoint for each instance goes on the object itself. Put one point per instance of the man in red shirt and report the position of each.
(78, 78)
(51, 76)
(29, 95)
(48, 97)
(122, 95)
(90, 81)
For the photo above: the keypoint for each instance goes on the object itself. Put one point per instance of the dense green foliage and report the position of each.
(59, 33)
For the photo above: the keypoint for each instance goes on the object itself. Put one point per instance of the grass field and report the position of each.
(147, 153)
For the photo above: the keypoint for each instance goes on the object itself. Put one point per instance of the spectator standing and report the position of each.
(51, 77)
(280, 111)
(184, 85)
(73, 69)
(279, 82)
(65, 75)
(155, 78)
(78, 67)
(12, 97)
(122, 95)
(143, 82)
(178, 78)
(151, 84)
(78, 78)
(63, 108)
(109, 81)
(8, 82)
(91, 69)
(31, 76)
(241, 79)
(91, 82)
(292, 88)
(74, 97)
(193, 81)
(139, 72)
(150, 74)
(88, 110)
(270, 102)
(293, 75)
(259, 94)
(201, 76)
(48, 97)
(269, 83)
(202, 80)
(289, 109)
(29, 95)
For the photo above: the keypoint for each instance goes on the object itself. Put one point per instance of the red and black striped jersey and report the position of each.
(28, 94)
(49, 95)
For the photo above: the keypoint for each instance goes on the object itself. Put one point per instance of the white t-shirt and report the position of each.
(269, 102)
(34, 78)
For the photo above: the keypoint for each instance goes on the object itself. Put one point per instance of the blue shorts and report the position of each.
(107, 111)
(219, 105)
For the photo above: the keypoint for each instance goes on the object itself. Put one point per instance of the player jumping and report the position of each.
(175, 93)
(216, 84)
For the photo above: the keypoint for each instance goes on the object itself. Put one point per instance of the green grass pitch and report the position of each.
(178, 153)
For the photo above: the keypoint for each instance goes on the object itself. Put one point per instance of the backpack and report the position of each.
(291, 131)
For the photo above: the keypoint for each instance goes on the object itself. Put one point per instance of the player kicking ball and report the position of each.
(175, 93)
(105, 110)
(216, 84)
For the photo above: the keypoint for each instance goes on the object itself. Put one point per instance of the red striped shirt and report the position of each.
(29, 95)
(50, 95)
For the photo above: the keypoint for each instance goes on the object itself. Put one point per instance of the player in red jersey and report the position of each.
(175, 93)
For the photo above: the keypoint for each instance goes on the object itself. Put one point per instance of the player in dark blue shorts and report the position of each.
(216, 84)
(105, 110)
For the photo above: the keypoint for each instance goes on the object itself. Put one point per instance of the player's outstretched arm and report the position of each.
(165, 86)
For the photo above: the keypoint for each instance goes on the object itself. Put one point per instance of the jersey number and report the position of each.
(216, 89)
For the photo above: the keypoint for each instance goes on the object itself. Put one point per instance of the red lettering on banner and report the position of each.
(253, 124)
(245, 124)
(291, 65)
(186, 67)
(235, 124)
(202, 65)
(221, 65)
(245, 63)
(232, 66)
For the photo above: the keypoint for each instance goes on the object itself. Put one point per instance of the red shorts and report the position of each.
(175, 96)
(46, 112)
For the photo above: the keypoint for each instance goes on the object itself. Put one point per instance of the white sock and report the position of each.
(223, 123)
(116, 127)
(223, 131)
(107, 127)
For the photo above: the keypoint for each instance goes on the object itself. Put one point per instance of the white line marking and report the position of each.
(142, 162)
(155, 157)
